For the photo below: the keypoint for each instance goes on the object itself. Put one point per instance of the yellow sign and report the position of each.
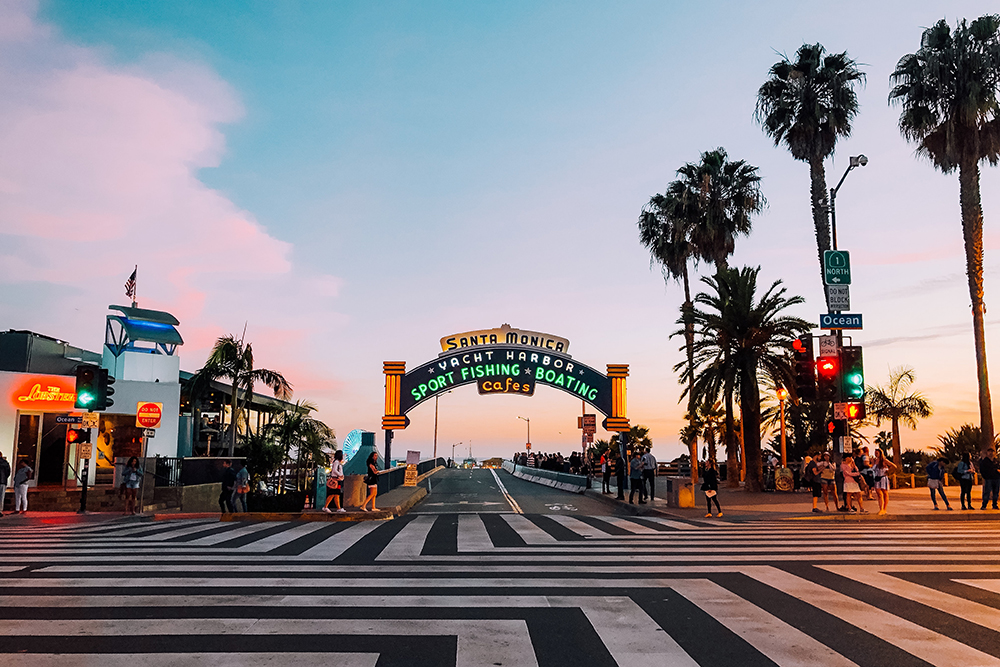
(86, 450)
(411, 475)
(505, 335)
(90, 420)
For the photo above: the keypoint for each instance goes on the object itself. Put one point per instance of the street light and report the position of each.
(453, 452)
(529, 429)
(782, 395)
(856, 161)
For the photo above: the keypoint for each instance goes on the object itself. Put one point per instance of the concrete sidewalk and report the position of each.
(740, 505)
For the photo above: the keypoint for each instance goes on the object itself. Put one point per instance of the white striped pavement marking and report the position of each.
(912, 638)
(528, 531)
(409, 542)
(256, 659)
(991, 585)
(581, 528)
(480, 642)
(284, 537)
(509, 498)
(337, 544)
(632, 527)
(630, 635)
(223, 535)
(679, 525)
(785, 645)
(968, 610)
(472, 534)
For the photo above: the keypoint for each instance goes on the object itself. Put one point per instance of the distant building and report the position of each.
(493, 463)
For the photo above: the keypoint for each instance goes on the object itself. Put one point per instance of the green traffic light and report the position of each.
(85, 398)
(856, 378)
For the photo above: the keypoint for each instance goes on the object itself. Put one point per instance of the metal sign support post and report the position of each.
(86, 479)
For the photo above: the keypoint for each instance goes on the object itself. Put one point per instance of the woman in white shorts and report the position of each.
(852, 490)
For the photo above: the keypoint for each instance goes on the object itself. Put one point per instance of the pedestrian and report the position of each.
(240, 489)
(935, 480)
(963, 473)
(864, 463)
(991, 478)
(710, 485)
(852, 489)
(131, 479)
(335, 483)
(21, 476)
(810, 477)
(4, 476)
(606, 472)
(228, 483)
(635, 477)
(649, 472)
(371, 480)
(619, 464)
(881, 468)
(828, 480)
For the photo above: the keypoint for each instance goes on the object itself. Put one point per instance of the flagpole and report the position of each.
(135, 288)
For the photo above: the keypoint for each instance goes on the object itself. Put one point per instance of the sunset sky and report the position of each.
(352, 181)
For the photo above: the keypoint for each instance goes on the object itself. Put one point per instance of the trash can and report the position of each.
(355, 490)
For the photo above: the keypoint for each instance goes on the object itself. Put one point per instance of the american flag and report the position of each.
(130, 285)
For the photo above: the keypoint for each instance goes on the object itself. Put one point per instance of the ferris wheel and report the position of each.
(352, 444)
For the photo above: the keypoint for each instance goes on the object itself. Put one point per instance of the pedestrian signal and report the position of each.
(854, 410)
(77, 435)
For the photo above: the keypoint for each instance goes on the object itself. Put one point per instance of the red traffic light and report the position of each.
(827, 367)
(798, 346)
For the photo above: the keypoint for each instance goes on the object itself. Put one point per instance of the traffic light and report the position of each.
(837, 428)
(104, 390)
(86, 387)
(855, 411)
(828, 376)
(805, 368)
(77, 435)
(854, 374)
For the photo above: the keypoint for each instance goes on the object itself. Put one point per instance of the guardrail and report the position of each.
(557, 480)
(394, 477)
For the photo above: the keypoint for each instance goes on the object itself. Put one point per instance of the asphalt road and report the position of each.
(459, 490)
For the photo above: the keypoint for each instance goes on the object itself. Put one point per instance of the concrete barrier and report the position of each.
(557, 480)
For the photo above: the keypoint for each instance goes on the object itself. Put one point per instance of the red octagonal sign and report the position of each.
(148, 415)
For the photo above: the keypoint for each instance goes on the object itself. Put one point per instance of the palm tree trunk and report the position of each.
(897, 452)
(689, 344)
(820, 211)
(750, 408)
(972, 231)
(232, 416)
(732, 450)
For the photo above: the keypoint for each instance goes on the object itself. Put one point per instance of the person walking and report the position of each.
(635, 477)
(991, 478)
(810, 478)
(131, 480)
(4, 476)
(828, 480)
(881, 469)
(228, 483)
(371, 480)
(963, 472)
(606, 472)
(240, 489)
(649, 472)
(710, 485)
(935, 481)
(619, 465)
(335, 483)
(852, 489)
(21, 476)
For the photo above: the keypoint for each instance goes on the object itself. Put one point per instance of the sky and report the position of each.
(352, 181)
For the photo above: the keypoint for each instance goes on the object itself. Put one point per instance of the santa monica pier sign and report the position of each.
(504, 361)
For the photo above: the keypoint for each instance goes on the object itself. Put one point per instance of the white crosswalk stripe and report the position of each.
(486, 589)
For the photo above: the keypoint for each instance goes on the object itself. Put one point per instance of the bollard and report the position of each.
(913, 481)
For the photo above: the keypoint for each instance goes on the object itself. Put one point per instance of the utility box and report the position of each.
(680, 492)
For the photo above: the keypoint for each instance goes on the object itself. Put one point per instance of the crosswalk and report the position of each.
(501, 589)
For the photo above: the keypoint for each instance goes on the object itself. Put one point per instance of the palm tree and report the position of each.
(699, 218)
(948, 90)
(965, 439)
(808, 105)
(892, 403)
(759, 339)
(294, 430)
(232, 359)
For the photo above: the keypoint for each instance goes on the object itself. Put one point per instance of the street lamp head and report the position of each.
(782, 393)
(859, 160)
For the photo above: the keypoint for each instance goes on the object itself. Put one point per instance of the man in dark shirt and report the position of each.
(991, 478)
(619, 463)
(228, 482)
(4, 476)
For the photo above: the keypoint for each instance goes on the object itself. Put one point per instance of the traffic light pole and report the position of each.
(86, 479)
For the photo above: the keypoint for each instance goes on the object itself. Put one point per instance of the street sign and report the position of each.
(840, 321)
(828, 346)
(149, 432)
(836, 267)
(148, 415)
(86, 450)
(847, 443)
(69, 419)
(840, 411)
(90, 419)
(838, 297)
